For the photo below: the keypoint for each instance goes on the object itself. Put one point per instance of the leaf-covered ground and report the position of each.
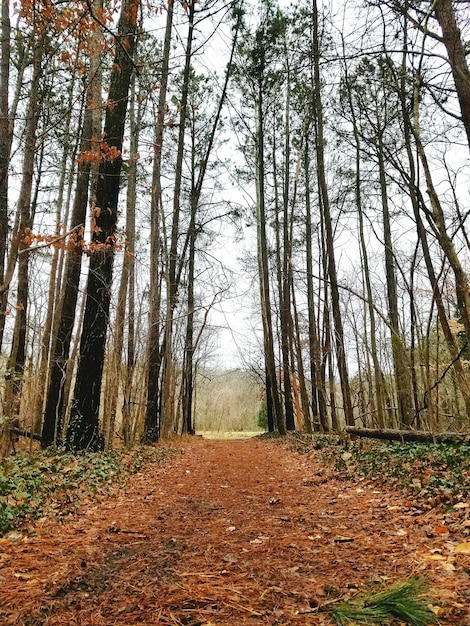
(55, 482)
(238, 532)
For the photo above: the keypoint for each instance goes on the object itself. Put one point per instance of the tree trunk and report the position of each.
(409, 435)
(445, 15)
(319, 407)
(60, 365)
(285, 279)
(68, 156)
(326, 213)
(115, 366)
(263, 267)
(5, 133)
(54, 407)
(187, 381)
(378, 375)
(173, 261)
(401, 365)
(152, 422)
(83, 430)
(296, 347)
(16, 361)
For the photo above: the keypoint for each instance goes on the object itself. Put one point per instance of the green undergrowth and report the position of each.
(404, 602)
(428, 470)
(35, 484)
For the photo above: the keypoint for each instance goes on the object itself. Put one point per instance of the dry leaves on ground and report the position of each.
(230, 532)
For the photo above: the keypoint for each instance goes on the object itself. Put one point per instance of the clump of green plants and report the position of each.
(438, 469)
(404, 602)
(263, 414)
(33, 484)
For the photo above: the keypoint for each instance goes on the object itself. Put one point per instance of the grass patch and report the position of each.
(53, 481)
(232, 434)
(403, 601)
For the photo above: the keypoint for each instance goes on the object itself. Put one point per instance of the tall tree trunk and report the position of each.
(378, 375)
(302, 386)
(272, 391)
(68, 156)
(326, 347)
(152, 422)
(115, 366)
(65, 311)
(173, 261)
(5, 133)
(285, 296)
(9, 269)
(84, 430)
(187, 381)
(129, 261)
(400, 356)
(451, 37)
(326, 213)
(54, 406)
(16, 361)
(188, 374)
(319, 407)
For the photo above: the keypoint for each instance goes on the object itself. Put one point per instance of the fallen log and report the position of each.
(408, 435)
(25, 433)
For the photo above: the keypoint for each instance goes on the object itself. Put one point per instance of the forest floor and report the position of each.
(232, 532)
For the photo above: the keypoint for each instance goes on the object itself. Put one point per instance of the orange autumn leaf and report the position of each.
(441, 530)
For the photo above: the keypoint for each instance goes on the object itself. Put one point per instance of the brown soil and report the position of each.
(230, 532)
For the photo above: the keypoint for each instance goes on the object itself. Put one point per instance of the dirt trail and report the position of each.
(228, 532)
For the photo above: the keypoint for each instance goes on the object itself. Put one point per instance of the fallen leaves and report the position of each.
(202, 541)
(463, 548)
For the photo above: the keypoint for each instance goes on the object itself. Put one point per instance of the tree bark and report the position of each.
(319, 407)
(445, 15)
(263, 263)
(378, 375)
(400, 357)
(5, 133)
(152, 421)
(54, 405)
(174, 262)
(16, 361)
(117, 374)
(53, 299)
(84, 431)
(325, 206)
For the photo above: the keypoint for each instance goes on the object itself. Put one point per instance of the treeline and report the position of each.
(119, 142)
(359, 147)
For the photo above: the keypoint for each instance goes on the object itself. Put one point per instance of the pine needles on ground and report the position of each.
(403, 602)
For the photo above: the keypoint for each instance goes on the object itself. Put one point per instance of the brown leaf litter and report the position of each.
(230, 532)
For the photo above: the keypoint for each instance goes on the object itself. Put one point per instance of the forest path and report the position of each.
(227, 532)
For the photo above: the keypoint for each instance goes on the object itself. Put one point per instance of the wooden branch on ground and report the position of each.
(408, 435)
(25, 433)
